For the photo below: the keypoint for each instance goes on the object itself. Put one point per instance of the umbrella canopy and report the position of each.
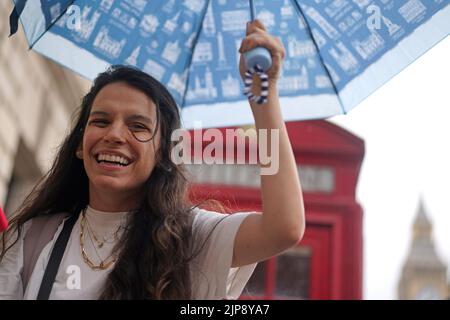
(3, 221)
(338, 51)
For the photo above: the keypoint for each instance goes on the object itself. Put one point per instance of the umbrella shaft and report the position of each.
(252, 10)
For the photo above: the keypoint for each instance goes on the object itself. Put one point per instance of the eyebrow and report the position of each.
(132, 117)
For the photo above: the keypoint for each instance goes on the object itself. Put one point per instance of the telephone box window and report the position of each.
(293, 274)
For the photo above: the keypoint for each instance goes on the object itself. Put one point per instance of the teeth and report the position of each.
(112, 158)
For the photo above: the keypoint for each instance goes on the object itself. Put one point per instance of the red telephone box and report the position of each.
(327, 263)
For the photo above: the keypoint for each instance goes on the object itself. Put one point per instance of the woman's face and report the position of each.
(114, 160)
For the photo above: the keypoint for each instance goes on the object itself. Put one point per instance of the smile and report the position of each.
(113, 160)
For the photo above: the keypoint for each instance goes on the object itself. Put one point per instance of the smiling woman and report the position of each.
(111, 219)
(116, 150)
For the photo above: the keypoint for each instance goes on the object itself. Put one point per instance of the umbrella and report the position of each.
(338, 51)
(3, 221)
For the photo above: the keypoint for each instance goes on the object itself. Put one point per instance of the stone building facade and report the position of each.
(37, 102)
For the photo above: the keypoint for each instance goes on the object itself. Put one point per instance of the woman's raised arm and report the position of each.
(282, 223)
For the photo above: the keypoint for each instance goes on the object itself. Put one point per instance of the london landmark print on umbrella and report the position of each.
(338, 51)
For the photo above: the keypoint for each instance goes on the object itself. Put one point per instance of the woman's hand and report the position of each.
(257, 36)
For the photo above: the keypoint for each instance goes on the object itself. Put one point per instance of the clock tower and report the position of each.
(424, 276)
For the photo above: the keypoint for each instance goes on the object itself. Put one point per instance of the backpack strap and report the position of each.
(41, 232)
(55, 258)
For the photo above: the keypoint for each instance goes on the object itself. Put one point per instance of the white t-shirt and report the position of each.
(211, 274)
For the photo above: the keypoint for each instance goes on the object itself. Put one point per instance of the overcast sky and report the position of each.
(406, 128)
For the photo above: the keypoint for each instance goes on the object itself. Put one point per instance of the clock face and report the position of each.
(428, 293)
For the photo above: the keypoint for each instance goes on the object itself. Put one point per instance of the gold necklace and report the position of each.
(93, 244)
(106, 239)
(104, 264)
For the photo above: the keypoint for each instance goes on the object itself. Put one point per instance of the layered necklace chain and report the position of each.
(87, 229)
(112, 238)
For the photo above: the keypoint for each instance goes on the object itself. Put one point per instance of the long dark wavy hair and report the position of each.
(155, 252)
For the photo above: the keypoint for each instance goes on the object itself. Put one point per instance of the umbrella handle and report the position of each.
(258, 56)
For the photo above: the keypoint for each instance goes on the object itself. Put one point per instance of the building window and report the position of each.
(290, 279)
(293, 274)
(256, 286)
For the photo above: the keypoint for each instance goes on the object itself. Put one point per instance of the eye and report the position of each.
(98, 122)
(139, 127)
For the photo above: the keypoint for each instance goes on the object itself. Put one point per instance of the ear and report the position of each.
(79, 152)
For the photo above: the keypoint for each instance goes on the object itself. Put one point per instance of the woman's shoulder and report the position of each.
(202, 217)
(206, 221)
(203, 214)
(47, 224)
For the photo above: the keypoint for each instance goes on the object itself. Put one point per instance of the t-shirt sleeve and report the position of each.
(211, 272)
(11, 266)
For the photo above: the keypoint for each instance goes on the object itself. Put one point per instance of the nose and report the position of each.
(116, 133)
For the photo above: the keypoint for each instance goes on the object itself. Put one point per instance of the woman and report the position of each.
(134, 235)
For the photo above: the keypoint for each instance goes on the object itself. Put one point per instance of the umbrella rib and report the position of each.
(194, 44)
(308, 28)
(51, 25)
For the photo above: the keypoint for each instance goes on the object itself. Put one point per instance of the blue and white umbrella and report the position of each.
(338, 51)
